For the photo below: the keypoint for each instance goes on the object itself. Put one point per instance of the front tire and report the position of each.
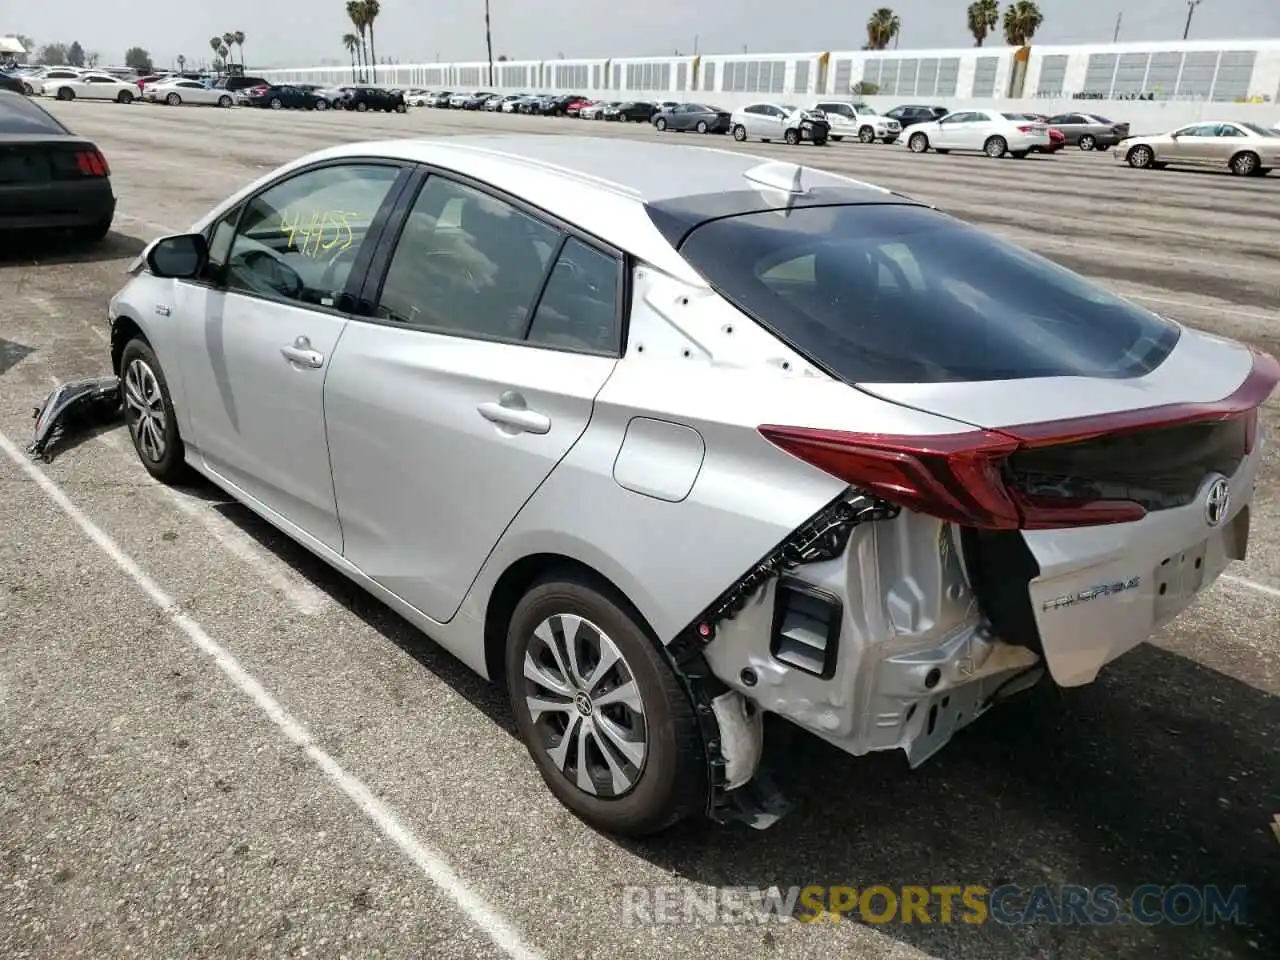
(740, 133)
(867, 135)
(148, 408)
(173, 100)
(1141, 157)
(919, 143)
(610, 727)
(660, 124)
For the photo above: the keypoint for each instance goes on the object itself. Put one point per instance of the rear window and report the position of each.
(20, 115)
(892, 293)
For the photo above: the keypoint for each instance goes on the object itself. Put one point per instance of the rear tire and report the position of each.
(124, 97)
(224, 101)
(669, 783)
(702, 126)
(1245, 164)
(66, 93)
(995, 147)
(145, 397)
(1087, 142)
(792, 137)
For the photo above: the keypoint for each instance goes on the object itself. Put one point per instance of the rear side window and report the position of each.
(897, 293)
(20, 115)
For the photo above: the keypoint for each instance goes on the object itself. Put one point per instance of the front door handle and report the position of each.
(302, 354)
(512, 411)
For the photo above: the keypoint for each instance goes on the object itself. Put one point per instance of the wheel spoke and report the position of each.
(632, 750)
(535, 672)
(546, 634)
(559, 754)
(584, 769)
(628, 694)
(609, 656)
(540, 705)
(621, 781)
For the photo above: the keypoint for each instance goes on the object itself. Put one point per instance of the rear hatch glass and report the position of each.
(898, 293)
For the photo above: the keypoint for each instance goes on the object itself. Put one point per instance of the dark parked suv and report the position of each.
(235, 84)
(911, 113)
(637, 111)
(371, 98)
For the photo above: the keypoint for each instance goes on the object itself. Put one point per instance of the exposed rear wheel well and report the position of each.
(515, 583)
(122, 331)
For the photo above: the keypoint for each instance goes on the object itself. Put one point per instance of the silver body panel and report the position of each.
(649, 467)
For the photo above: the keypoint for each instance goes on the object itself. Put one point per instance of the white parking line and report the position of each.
(430, 862)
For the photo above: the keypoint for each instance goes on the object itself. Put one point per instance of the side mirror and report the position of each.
(1174, 136)
(179, 257)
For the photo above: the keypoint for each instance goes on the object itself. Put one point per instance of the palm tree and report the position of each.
(182, 63)
(228, 41)
(983, 17)
(352, 43)
(371, 10)
(224, 53)
(881, 28)
(356, 14)
(239, 37)
(215, 44)
(1022, 19)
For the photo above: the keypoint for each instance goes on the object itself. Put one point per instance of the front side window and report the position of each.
(466, 263)
(892, 293)
(298, 240)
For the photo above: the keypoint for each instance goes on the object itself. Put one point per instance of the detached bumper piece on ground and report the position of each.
(71, 408)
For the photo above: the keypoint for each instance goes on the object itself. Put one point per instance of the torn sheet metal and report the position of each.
(71, 407)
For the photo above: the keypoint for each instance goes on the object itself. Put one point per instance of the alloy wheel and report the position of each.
(585, 705)
(144, 410)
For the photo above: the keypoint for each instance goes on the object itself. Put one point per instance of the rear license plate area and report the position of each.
(23, 167)
(1177, 579)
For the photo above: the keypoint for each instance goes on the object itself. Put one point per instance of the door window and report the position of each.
(467, 263)
(578, 309)
(299, 239)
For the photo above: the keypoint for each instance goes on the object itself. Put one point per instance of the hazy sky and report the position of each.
(295, 34)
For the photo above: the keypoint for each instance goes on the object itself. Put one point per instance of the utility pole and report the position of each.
(1191, 8)
(1116, 36)
(695, 44)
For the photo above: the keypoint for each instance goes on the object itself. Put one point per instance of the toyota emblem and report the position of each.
(1218, 502)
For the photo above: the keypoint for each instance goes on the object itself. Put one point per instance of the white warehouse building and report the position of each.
(1158, 83)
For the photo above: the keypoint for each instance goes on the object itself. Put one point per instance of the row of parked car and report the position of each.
(196, 89)
(816, 122)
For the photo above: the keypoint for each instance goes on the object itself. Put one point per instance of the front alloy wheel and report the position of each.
(148, 411)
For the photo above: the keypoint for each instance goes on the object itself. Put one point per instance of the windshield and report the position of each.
(1260, 131)
(894, 293)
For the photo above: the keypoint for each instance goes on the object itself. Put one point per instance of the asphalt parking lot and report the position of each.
(213, 746)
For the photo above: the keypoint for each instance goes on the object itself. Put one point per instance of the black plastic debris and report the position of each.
(71, 408)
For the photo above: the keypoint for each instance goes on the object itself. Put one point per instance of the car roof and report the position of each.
(611, 187)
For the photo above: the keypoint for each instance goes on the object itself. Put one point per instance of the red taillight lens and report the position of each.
(1026, 128)
(92, 163)
(954, 477)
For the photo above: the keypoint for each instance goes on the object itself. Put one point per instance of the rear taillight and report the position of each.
(91, 163)
(1027, 128)
(954, 477)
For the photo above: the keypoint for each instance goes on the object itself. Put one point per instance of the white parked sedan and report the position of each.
(180, 91)
(979, 131)
(92, 86)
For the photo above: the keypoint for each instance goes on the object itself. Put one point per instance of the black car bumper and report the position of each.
(56, 205)
(815, 130)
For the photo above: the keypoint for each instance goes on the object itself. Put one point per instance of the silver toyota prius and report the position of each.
(664, 438)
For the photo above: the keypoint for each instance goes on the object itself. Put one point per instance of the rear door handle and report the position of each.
(512, 411)
(302, 354)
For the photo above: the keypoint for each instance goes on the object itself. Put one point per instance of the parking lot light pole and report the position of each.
(1191, 8)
